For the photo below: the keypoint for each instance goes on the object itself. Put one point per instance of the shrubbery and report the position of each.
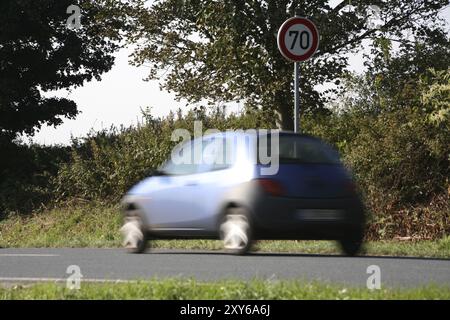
(399, 156)
(26, 175)
(105, 165)
(401, 164)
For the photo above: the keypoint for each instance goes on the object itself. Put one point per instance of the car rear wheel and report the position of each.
(236, 232)
(134, 235)
(351, 246)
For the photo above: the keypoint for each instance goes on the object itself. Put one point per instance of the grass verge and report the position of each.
(221, 290)
(98, 226)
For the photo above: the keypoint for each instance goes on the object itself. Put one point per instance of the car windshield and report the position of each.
(303, 149)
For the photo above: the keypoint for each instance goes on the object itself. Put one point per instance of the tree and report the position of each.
(226, 50)
(398, 77)
(39, 53)
(394, 121)
(395, 79)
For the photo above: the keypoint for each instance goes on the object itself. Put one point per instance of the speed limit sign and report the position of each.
(298, 39)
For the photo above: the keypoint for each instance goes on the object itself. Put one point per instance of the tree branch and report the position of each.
(366, 34)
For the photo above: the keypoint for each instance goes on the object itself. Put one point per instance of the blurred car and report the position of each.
(310, 195)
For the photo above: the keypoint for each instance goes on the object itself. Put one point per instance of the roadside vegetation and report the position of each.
(87, 225)
(179, 289)
(400, 160)
(68, 196)
(391, 125)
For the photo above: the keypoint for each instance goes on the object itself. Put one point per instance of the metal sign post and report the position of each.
(298, 40)
(296, 97)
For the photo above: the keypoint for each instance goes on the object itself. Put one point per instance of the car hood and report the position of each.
(143, 187)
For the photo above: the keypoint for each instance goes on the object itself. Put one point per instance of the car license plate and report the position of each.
(320, 214)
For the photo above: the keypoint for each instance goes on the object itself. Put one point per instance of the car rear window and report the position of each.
(301, 149)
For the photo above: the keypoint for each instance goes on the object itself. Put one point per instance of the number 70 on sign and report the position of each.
(304, 41)
(298, 39)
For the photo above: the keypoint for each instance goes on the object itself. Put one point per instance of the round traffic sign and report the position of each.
(298, 39)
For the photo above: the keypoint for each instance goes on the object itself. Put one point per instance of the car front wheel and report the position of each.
(134, 235)
(236, 232)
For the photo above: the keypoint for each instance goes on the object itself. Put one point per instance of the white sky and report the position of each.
(118, 98)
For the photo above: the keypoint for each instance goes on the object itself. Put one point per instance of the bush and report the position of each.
(106, 164)
(399, 157)
(26, 173)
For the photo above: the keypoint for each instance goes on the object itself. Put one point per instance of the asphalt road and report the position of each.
(17, 265)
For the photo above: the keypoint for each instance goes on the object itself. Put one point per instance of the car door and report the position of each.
(188, 195)
(178, 203)
(212, 180)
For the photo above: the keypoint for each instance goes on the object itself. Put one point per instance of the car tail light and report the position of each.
(271, 186)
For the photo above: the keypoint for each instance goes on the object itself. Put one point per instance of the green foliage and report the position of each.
(38, 53)
(435, 99)
(399, 159)
(399, 154)
(226, 50)
(391, 125)
(397, 79)
(26, 173)
(106, 164)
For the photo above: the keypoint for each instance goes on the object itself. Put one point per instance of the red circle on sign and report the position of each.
(282, 32)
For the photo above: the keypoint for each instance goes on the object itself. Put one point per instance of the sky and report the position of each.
(119, 97)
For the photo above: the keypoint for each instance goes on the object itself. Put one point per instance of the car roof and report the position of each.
(259, 132)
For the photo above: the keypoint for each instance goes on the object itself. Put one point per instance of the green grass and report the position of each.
(72, 226)
(222, 290)
(98, 226)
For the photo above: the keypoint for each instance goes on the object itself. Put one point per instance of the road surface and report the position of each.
(32, 265)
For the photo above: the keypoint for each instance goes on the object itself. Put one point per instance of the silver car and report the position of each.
(234, 194)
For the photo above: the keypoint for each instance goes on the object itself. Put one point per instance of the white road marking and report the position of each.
(25, 279)
(27, 255)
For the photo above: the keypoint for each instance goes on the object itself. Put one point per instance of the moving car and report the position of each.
(247, 186)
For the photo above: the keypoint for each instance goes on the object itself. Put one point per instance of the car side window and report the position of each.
(183, 162)
(217, 154)
(214, 153)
